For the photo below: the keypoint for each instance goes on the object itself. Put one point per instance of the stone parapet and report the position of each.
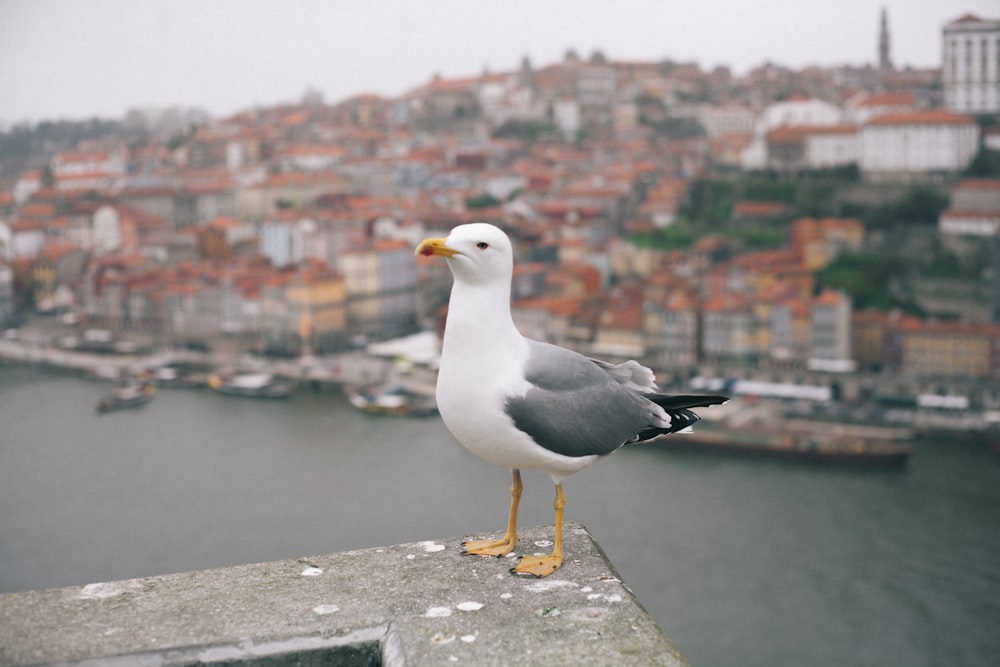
(411, 604)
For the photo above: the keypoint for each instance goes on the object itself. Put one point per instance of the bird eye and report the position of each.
(482, 245)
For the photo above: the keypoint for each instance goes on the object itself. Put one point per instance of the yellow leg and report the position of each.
(543, 566)
(503, 546)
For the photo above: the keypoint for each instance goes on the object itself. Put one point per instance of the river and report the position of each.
(743, 562)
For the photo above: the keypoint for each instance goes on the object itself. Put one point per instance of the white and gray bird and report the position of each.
(523, 404)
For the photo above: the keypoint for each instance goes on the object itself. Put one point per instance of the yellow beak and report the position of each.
(430, 247)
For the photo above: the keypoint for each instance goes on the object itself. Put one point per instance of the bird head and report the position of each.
(477, 253)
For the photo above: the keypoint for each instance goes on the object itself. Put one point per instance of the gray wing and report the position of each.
(575, 407)
(631, 375)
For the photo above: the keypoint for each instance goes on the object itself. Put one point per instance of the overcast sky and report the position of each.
(81, 58)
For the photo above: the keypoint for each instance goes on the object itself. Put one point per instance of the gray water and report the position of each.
(743, 562)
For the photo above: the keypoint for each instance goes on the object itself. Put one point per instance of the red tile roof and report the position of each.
(629, 317)
(792, 134)
(830, 298)
(38, 210)
(966, 18)
(916, 325)
(969, 213)
(895, 99)
(557, 306)
(979, 184)
(759, 209)
(928, 117)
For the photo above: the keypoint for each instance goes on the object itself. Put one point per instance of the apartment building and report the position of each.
(306, 310)
(926, 348)
(946, 349)
(380, 280)
(830, 347)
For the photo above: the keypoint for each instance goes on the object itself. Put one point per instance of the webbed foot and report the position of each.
(538, 566)
(498, 548)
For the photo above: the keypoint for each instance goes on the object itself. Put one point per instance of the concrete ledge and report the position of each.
(409, 604)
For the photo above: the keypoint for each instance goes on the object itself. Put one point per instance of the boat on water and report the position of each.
(391, 400)
(818, 447)
(130, 395)
(174, 378)
(253, 385)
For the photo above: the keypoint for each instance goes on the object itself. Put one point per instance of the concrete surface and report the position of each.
(410, 604)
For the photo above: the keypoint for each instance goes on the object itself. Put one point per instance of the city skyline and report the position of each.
(103, 58)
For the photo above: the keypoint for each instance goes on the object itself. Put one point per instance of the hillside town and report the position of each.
(290, 230)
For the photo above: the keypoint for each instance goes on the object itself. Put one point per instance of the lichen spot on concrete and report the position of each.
(312, 572)
(438, 612)
(325, 609)
(544, 585)
(470, 606)
(431, 547)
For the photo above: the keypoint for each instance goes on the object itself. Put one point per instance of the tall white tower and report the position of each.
(970, 67)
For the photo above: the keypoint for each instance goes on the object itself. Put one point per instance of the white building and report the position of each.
(6, 235)
(812, 147)
(970, 69)
(6, 291)
(721, 120)
(795, 112)
(306, 157)
(974, 210)
(864, 105)
(831, 332)
(920, 141)
(832, 146)
(798, 111)
(106, 231)
(26, 186)
(568, 117)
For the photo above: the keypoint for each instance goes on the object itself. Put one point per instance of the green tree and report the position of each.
(872, 280)
(986, 164)
(484, 200)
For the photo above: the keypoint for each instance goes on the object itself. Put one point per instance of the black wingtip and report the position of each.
(684, 401)
(678, 407)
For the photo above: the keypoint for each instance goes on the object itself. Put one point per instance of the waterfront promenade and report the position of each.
(376, 364)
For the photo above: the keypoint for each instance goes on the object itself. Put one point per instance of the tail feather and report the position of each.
(681, 416)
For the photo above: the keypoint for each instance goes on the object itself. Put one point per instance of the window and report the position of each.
(968, 60)
(952, 58)
(983, 62)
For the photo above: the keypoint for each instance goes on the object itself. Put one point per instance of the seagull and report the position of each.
(528, 405)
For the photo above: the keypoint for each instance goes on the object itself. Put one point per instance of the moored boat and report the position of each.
(130, 395)
(174, 378)
(391, 400)
(253, 385)
(819, 447)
